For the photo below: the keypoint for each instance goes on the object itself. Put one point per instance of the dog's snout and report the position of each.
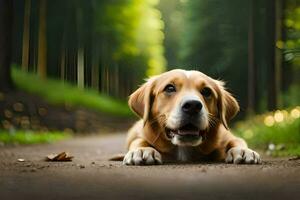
(191, 107)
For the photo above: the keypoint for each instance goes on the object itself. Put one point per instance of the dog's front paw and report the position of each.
(238, 155)
(142, 156)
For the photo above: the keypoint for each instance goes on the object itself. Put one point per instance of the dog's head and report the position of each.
(184, 104)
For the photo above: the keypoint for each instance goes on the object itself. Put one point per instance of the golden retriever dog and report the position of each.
(184, 117)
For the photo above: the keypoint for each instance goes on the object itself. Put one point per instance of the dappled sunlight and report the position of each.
(281, 127)
(282, 116)
(278, 116)
(269, 121)
(295, 113)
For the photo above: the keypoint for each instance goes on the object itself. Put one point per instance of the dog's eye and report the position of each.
(170, 88)
(206, 92)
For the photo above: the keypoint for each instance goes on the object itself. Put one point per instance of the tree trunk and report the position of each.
(80, 68)
(26, 32)
(272, 90)
(116, 80)
(63, 64)
(251, 61)
(42, 46)
(287, 72)
(6, 15)
(278, 51)
(95, 72)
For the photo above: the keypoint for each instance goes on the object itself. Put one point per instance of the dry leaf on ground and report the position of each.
(63, 156)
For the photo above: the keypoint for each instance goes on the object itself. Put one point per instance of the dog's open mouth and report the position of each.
(186, 131)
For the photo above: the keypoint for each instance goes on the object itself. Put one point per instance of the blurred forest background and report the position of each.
(58, 58)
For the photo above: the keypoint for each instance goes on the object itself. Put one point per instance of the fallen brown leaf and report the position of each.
(63, 156)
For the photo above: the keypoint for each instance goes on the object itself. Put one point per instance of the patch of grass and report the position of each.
(281, 128)
(57, 92)
(30, 137)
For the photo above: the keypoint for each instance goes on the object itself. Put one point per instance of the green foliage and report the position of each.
(29, 137)
(281, 128)
(134, 29)
(172, 14)
(291, 45)
(292, 96)
(292, 24)
(57, 92)
(121, 42)
(150, 37)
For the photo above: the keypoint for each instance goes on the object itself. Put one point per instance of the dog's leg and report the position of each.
(238, 152)
(141, 153)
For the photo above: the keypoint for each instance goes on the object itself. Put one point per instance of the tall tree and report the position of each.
(80, 44)
(42, 43)
(251, 59)
(26, 32)
(6, 21)
(271, 21)
(95, 65)
(279, 9)
(80, 68)
(95, 43)
(172, 14)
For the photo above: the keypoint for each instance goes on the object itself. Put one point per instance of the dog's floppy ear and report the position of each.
(227, 105)
(140, 101)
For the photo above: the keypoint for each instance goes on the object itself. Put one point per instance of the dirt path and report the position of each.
(91, 176)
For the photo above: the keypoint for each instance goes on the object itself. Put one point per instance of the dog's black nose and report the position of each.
(191, 107)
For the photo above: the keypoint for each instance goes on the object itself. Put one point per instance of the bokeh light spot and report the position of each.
(278, 116)
(295, 113)
(269, 121)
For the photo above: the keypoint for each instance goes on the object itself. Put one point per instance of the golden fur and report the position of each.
(147, 142)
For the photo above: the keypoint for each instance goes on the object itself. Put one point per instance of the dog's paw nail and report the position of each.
(142, 156)
(238, 155)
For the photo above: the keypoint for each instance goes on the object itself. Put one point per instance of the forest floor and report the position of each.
(23, 110)
(91, 176)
